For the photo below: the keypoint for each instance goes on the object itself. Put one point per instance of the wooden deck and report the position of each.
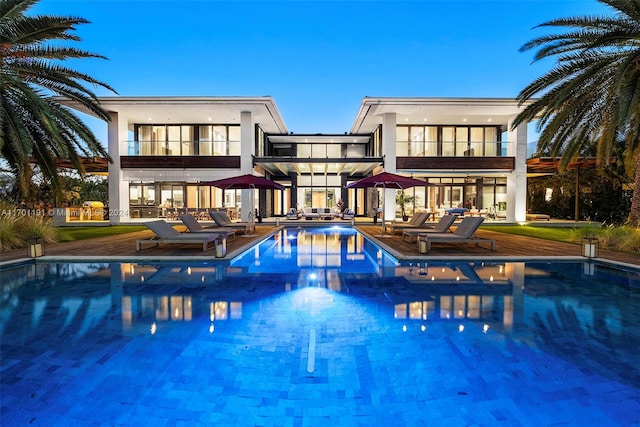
(507, 246)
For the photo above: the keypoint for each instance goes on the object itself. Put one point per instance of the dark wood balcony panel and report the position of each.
(456, 163)
(179, 162)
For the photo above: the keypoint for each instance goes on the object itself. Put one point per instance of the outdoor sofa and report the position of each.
(317, 213)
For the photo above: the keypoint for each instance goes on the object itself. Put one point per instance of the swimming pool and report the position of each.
(200, 343)
(293, 250)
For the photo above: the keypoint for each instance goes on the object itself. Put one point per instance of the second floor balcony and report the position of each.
(451, 149)
(183, 148)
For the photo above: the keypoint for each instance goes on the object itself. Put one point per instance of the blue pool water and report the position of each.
(327, 343)
(312, 249)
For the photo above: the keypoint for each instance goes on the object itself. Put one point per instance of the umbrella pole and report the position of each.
(383, 208)
(253, 208)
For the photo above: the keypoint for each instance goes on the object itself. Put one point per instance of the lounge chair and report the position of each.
(223, 220)
(464, 233)
(441, 226)
(416, 221)
(165, 233)
(195, 227)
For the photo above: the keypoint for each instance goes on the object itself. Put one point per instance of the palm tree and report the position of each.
(34, 127)
(592, 95)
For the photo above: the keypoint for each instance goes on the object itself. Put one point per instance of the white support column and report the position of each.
(247, 146)
(517, 180)
(389, 152)
(247, 142)
(117, 131)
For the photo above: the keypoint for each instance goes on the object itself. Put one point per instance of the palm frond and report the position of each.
(34, 127)
(592, 94)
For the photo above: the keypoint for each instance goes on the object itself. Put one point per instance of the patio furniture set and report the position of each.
(209, 236)
(225, 229)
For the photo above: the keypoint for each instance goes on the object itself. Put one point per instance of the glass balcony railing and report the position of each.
(403, 149)
(451, 149)
(183, 148)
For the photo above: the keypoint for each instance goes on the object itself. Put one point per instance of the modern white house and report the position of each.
(164, 150)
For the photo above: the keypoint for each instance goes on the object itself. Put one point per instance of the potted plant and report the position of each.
(402, 199)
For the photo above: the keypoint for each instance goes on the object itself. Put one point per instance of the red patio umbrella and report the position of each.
(245, 182)
(388, 180)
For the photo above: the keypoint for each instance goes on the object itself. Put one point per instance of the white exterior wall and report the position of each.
(119, 180)
(246, 160)
(118, 135)
(389, 151)
(517, 180)
(117, 132)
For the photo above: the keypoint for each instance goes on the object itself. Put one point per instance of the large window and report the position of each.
(168, 199)
(448, 141)
(206, 141)
(142, 194)
(469, 192)
(318, 191)
(186, 140)
(322, 151)
(494, 194)
(219, 140)
(171, 196)
(226, 140)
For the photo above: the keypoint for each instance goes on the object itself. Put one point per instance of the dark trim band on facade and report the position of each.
(455, 163)
(200, 162)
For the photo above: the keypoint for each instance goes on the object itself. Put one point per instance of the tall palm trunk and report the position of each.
(634, 216)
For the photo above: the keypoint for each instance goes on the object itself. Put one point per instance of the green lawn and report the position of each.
(70, 234)
(625, 239)
(557, 234)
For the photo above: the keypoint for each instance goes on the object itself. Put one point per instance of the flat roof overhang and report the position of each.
(287, 166)
(189, 110)
(437, 111)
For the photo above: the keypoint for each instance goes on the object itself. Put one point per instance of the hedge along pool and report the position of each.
(317, 328)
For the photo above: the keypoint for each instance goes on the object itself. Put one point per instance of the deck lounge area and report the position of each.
(508, 246)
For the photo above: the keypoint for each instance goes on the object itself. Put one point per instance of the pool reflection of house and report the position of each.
(164, 147)
(458, 291)
(498, 296)
(439, 292)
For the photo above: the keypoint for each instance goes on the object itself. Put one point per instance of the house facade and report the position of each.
(164, 150)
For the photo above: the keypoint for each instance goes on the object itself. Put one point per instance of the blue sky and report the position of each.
(318, 59)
